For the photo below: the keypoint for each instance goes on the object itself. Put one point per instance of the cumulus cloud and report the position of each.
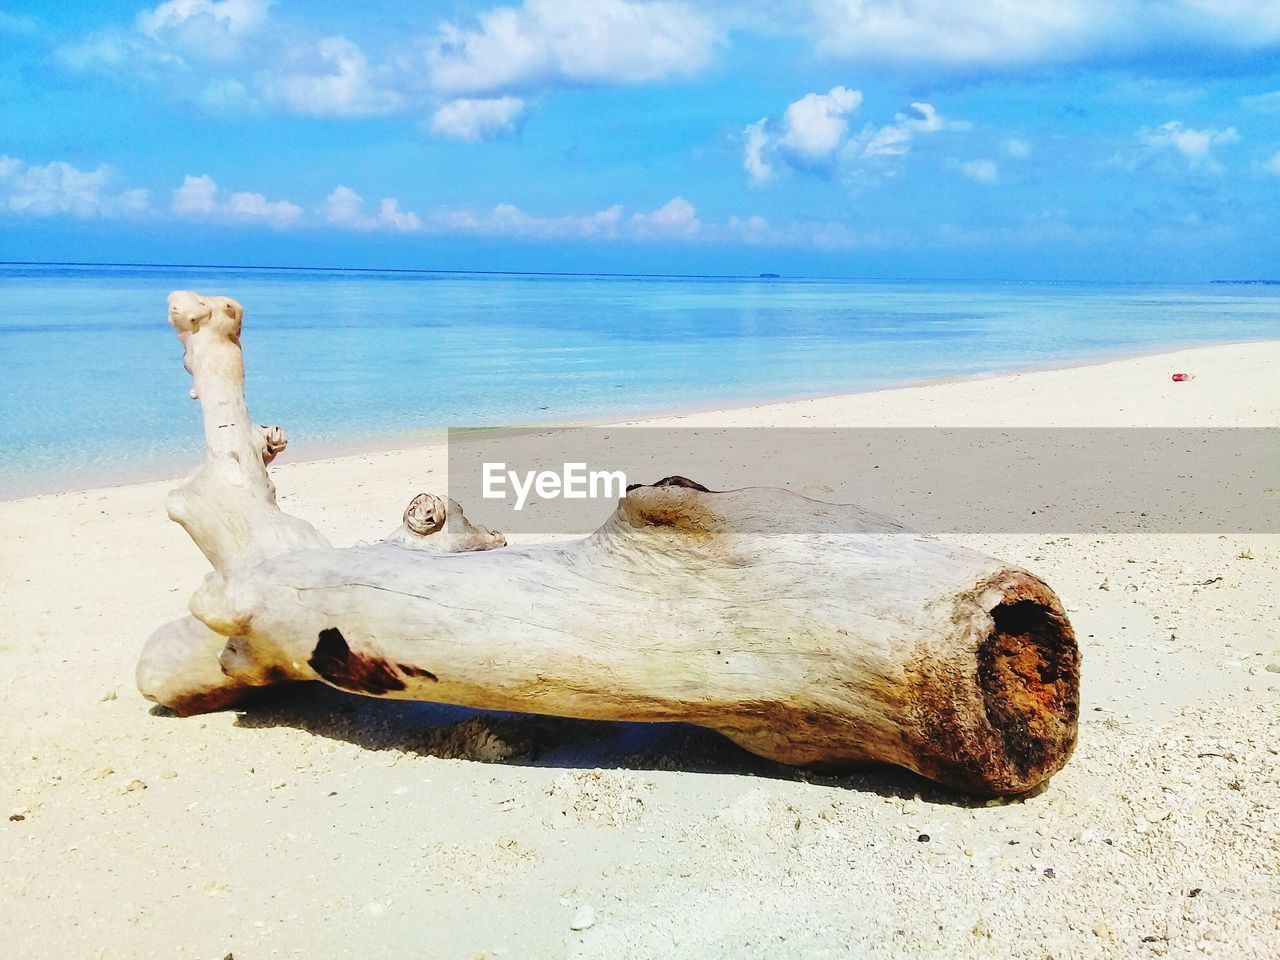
(60, 189)
(196, 196)
(332, 78)
(200, 198)
(1001, 33)
(345, 208)
(477, 119)
(813, 136)
(815, 125)
(1195, 145)
(1271, 165)
(810, 132)
(574, 41)
(467, 76)
(254, 206)
(981, 171)
(196, 20)
(42, 190)
(508, 220)
(942, 31)
(171, 36)
(675, 218)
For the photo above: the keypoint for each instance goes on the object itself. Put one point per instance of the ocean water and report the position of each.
(92, 389)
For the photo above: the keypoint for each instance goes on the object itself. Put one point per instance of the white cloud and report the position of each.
(813, 136)
(197, 195)
(173, 35)
(1013, 32)
(333, 78)
(756, 141)
(345, 208)
(574, 41)
(808, 234)
(877, 153)
(59, 188)
(1018, 149)
(466, 76)
(508, 220)
(981, 171)
(196, 19)
(474, 120)
(675, 218)
(1272, 165)
(41, 190)
(185, 46)
(1195, 145)
(200, 198)
(254, 206)
(816, 124)
(812, 129)
(943, 31)
(390, 215)
(894, 139)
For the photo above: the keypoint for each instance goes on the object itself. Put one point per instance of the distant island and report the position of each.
(770, 276)
(1267, 283)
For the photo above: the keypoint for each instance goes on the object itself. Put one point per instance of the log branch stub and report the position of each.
(274, 441)
(436, 524)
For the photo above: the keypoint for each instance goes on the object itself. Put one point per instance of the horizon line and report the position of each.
(589, 273)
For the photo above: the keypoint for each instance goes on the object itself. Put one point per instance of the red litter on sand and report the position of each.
(1183, 377)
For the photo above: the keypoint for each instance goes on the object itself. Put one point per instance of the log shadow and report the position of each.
(520, 739)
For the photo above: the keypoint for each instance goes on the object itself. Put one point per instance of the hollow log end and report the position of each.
(425, 514)
(672, 481)
(1023, 726)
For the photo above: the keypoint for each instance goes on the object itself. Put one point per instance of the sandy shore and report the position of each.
(321, 825)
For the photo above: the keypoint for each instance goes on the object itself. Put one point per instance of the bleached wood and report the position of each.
(814, 648)
(438, 525)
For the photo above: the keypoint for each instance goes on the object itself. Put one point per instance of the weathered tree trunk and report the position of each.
(686, 605)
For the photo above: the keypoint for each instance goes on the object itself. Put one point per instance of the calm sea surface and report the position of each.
(92, 388)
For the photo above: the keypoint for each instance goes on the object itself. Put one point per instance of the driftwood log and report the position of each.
(880, 645)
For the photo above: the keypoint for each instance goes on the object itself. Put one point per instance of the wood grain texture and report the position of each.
(871, 643)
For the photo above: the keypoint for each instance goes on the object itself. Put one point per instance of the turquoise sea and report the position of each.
(92, 389)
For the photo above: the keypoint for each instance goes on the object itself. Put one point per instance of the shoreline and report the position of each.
(406, 442)
(186, 838)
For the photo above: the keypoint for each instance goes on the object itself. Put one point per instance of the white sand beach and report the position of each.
(321, 825)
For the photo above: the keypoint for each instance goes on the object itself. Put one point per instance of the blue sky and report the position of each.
(1040, 139)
